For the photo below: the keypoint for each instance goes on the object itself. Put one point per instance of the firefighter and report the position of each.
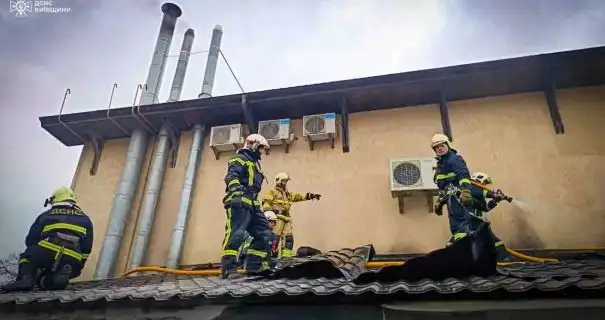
(243, 181)
(58, 245)
(279, 200)
(453, 180)
(483, 202)
(271, 219)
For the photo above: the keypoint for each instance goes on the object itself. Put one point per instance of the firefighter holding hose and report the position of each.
(453, 180)
(484, 200)
(280, 200)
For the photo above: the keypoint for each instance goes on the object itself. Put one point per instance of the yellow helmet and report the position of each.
(61, 194)
(440, 138)
(281, 177)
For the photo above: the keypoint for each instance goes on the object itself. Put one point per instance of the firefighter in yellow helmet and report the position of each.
(483, 202)
(279, 200)
(243, 181)
(453, 180)
(57, 245)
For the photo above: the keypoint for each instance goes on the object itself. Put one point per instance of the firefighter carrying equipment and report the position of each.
(280, 200)
(243, 182)
(452, 177)
(60, 236)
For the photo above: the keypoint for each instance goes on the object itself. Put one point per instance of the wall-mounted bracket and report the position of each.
(550, 93)
(248, 115)
(344, 110)
(97, 148)
(174, 135)
(445, 117)
(401, 195)
(285, 142)
(311, 142)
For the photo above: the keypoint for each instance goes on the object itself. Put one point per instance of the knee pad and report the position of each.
(238, 236)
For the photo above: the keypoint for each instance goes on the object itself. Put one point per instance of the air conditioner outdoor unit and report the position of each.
(410, 174)
(277, 132)
(319, 126)
(226, 138)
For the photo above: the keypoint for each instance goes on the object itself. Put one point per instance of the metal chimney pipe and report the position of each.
(122, 202)
(180, 228)
(211, 62)
(156, 175)
(181, 67)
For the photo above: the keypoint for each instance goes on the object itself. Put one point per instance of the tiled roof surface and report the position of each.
(461, 270)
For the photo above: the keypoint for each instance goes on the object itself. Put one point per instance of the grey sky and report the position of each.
(269, 44)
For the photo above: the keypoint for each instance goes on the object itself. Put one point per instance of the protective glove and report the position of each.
(466, 197)
(438, 210)
(235, 192)
(312, 196)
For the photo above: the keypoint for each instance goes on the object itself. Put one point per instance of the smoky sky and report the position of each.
(268, 43)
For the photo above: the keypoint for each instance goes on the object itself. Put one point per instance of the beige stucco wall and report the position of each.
(560, 178)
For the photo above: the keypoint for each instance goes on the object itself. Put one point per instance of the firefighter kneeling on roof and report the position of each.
(271, 219)
(453, 180)
(483, 202)
(279, 200)
(244, 180)
(58, 245)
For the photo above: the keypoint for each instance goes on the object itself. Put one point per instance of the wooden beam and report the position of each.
(550, 93)
(344, 110)
(248, 115)
(445, 117)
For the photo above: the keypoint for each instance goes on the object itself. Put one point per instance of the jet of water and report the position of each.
(521, 205)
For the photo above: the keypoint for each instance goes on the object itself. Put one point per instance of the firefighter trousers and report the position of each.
(239, 220)
(283, 230)
(459, 217)
(57, 264)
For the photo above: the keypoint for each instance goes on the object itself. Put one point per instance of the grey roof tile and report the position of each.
(337, 273)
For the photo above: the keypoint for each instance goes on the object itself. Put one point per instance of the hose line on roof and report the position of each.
(369, 265)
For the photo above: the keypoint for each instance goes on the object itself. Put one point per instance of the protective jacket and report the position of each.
(483, 201)
(244, 170)
(451, 170)
(63, 219)
(280, 201)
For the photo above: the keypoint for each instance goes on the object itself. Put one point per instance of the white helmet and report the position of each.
(281, 177)
(440, 138)
(481, 177)
(256, 141)
(270, 215)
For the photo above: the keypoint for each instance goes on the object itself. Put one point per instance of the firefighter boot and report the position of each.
(58, 280)
(25, 279)
(228, 267)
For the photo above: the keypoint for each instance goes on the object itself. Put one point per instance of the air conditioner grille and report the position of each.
(315, 125)
(407, 173)
(269, 130)
(221, 135)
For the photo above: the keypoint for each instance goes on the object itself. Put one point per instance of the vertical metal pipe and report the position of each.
(180, 228)
(158, 167)
(181, 67)
(211, 62)
(124, 196)
(178, 232)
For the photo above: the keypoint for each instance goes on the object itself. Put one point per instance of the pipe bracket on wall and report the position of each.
(445, 117)
(344, 109)
(550, 93)
(248, 115)
(97, 149)
(174, 136)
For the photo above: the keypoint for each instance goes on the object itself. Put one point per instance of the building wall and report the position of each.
(558, 178)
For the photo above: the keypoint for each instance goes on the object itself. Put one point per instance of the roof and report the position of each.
(568, 69)
(340, 277)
